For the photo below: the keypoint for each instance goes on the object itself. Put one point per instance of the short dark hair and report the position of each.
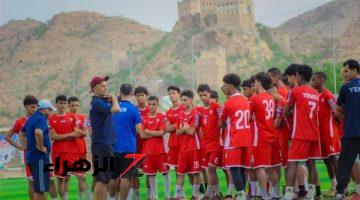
(173, 87)
(232, 79)
(214, 95)
(352, 64)
(153, 98)
(60, 98)
(187, 93)
(203, 88)
(321, 75)
(291, 70)
(72, 99)
(126, 89)
(275, 72)
(30, 100)
(264, 79)
(246, 83)
(141, 89)
(305, 71)
(284, 80)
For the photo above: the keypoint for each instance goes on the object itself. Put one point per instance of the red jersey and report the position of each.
(327, 106)
(144, 112)
(189, 142)
(237, 109)
(154, 145)
(209, 119)
(63, 124)
(80, 141)
(18, 125)
(283, 91)
(305, 102)
(172, 116)
(262, 108)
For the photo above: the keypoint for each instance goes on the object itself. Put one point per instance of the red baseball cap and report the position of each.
(97, 80)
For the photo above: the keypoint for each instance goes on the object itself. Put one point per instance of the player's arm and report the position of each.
(289, 103)
(194, 125)
(158, 133)
(223, 116)
(68, 136)
(22, 139)
(170, 127)
(341, 101)
(279, 120)
(39, 138)
(115, 107)
(180, 130)
(9, 139)
(140, 131)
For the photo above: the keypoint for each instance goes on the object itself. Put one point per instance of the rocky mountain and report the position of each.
(43, 56)
(310, 34)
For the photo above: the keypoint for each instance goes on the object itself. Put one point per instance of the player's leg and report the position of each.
(83, 187)
(153, 186)
(164, 169)
(274, 180)
(52, 189)
(301, 180)
(125, 185)
(238, 182)
(213, 181)
(31, 189)
(113, 187)
(331, 173)
(356, 174)
(230, 183)
(166, 178)
(290, 179)
(61, 186)
(262, 179)
(196, 185)
(253, 183)
(179, 190)
(66, 186)
(314, 182)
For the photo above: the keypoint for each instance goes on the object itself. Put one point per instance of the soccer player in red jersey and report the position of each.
(141, 94)
(172, 116)
(63, 132)
(230, 184)
(238, 138)
(211, 153)
(189, 156)
(305, 144)
(330, 142)
(154, 126)
(266, 152)
(283, 130)
(83, 123)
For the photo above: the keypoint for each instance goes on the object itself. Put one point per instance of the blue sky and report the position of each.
(160, 14)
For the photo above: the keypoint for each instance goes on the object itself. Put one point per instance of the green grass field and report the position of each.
(16, 188)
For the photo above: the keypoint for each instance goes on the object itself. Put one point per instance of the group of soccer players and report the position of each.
(270, 121)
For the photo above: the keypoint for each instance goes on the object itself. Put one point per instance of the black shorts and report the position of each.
(121, 164)
(103, 162)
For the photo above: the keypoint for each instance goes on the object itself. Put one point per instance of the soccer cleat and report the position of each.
(228, 197)
(339, 197)
(330, 193)
(194, 198)
(205, 198)
(216, 197)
